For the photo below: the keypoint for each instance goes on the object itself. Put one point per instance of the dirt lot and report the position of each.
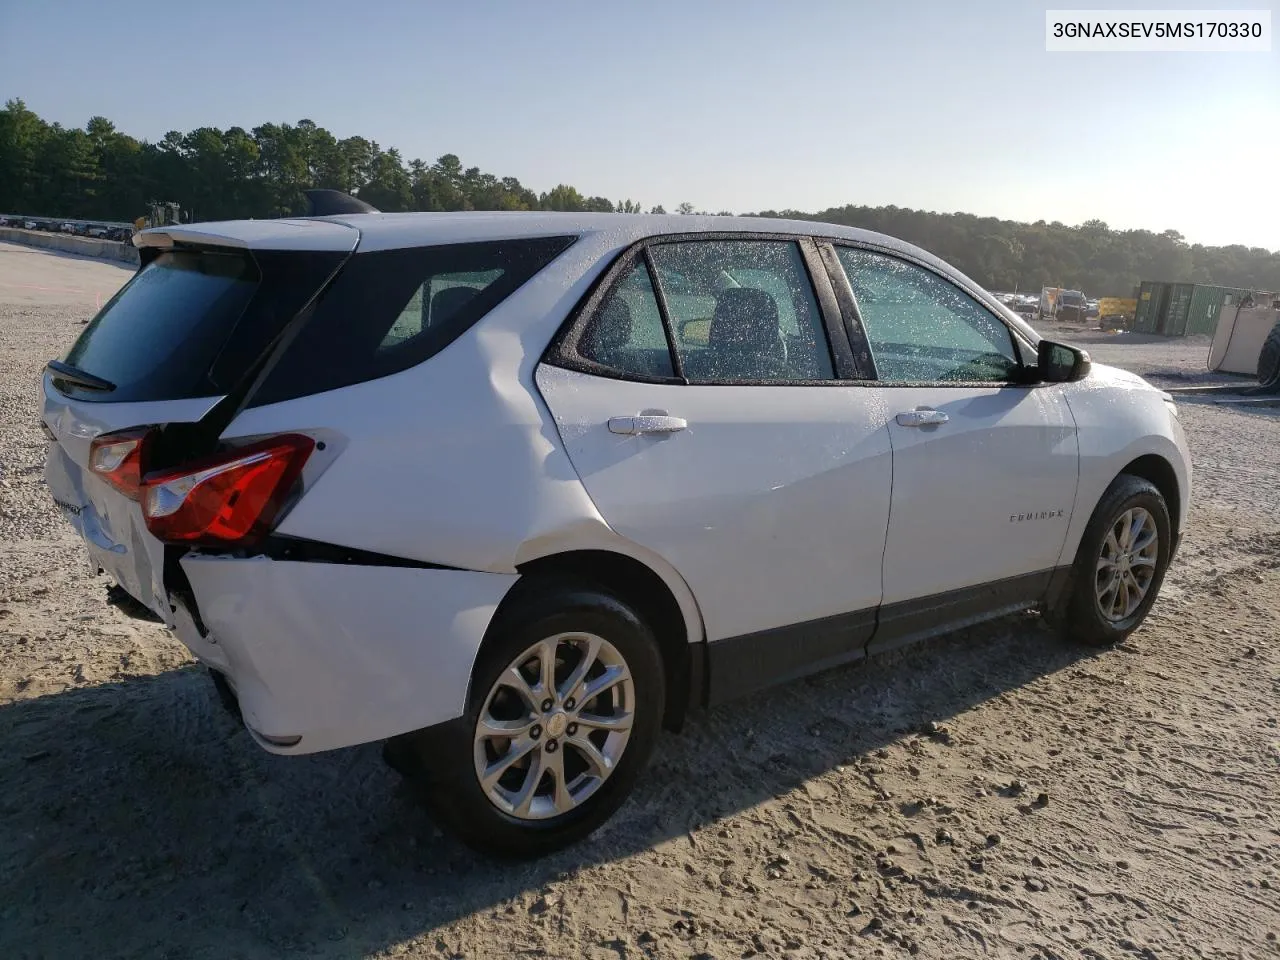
(995, 793)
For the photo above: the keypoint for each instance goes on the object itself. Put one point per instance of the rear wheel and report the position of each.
(565, 705)
(1119, 566)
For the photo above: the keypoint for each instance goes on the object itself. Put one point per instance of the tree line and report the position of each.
(1006, 255)
(100, 173)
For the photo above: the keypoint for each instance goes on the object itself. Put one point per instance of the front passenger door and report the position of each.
(984, 468)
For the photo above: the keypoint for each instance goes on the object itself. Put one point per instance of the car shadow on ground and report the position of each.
(140, 820)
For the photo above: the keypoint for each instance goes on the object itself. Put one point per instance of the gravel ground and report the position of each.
(995, 793)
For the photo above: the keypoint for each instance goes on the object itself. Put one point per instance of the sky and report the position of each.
(728, 104)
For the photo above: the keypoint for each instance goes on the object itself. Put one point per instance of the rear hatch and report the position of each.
(185, 332)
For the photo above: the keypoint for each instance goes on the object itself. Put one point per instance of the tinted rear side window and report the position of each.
(392, 309)
(157, 337)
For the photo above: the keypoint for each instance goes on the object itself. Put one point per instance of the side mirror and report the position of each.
(1059, 363)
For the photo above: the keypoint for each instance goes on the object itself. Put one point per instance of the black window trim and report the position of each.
(563, 350)
(664, 314)
(843, 362)
(854, 333)
(857, 331)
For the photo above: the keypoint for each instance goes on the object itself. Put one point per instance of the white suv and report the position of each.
(513, 491)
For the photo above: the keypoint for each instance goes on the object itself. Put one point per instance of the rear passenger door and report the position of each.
(701, 400)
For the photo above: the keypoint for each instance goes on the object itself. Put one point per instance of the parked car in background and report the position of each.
(513, 491)
(97, 231)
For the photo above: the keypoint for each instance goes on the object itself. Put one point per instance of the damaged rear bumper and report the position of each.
(326, 655)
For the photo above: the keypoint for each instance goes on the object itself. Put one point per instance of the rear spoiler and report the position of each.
(259, 233)
(286, 234)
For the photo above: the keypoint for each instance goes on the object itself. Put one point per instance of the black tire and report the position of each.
(1269, 359)
(442, 758)
(1080, 617)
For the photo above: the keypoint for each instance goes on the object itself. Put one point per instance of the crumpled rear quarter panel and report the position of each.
(341, 654)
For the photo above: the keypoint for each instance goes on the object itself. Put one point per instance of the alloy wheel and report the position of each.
(554, 726)
(1126, 564)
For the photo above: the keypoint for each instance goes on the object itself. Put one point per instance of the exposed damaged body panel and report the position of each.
(338, 654)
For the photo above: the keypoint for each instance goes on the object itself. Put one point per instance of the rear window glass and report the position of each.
(392, 309)
(158, 336)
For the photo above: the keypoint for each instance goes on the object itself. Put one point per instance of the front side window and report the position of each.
(923, 329)
(742, 310)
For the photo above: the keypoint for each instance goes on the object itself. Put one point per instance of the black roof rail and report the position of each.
(326, 203)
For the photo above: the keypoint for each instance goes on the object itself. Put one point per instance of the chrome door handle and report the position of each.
(646, 423)
(921, 418)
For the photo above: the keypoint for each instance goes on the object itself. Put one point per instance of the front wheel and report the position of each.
(1120, 564)
(565, 705)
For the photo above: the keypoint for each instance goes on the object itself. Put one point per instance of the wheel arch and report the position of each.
(1159, 471)
(665, 602)
(1157, 467)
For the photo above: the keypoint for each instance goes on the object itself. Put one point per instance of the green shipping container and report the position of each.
(1150, 297)
(1181, 309)
(1206, 304)
(1173, 322)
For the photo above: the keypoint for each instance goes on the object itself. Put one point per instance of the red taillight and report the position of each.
(233, 497)
(117, 459)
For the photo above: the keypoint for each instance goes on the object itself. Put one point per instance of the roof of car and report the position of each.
(613, 231)
(409, 228)
(384, 231)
